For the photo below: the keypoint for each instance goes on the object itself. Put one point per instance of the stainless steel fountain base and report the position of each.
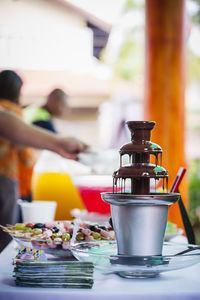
(139, 221)
(139, 228)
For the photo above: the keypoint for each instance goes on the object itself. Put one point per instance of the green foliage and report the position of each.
(194, 66)
(130, 56)
(196, 16)
(194, 198)
(128, 64)
(132, 4)
(194, 189)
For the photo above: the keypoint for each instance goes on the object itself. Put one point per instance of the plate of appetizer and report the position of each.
(56, 237)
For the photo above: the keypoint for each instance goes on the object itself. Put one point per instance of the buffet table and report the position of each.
(183, 284)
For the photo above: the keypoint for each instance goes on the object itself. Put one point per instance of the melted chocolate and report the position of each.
(139, 170)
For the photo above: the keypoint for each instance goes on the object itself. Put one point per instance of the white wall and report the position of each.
(42, 34)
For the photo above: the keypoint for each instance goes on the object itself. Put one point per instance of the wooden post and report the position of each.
(165, 85)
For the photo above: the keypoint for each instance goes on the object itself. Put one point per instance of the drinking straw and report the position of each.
(185, 219)
(178, 179)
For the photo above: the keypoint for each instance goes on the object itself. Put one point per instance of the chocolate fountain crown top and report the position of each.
(140, 149)
(140, 130)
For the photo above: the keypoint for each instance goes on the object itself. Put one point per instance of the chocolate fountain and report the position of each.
(139, 216)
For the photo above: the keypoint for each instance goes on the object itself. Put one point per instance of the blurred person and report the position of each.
(11, 156)
(16, 162)
(21, 159)
(56, 105)
(18, 132)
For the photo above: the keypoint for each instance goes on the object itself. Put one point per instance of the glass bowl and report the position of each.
(105, 258)
(47, 246)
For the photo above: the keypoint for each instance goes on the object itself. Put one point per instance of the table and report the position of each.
(177, 285)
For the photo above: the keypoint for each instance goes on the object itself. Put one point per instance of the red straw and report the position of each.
(178, 179)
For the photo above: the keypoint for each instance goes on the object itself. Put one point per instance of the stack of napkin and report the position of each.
(63, 274)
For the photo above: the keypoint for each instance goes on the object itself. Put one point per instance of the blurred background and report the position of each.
(95, 51)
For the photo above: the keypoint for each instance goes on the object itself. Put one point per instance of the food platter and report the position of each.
(55, 238)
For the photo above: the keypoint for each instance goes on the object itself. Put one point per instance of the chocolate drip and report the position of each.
(140, 170)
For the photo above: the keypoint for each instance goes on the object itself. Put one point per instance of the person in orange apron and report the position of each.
(16, 162)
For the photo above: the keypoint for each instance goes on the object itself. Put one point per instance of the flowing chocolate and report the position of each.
(139, 170)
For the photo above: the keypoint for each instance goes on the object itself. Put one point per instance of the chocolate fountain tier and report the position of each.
(138, 147)
(139, 170)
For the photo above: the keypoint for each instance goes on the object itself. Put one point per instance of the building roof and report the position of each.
(102, 24)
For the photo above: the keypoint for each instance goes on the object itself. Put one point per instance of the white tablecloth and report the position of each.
(183, 284)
